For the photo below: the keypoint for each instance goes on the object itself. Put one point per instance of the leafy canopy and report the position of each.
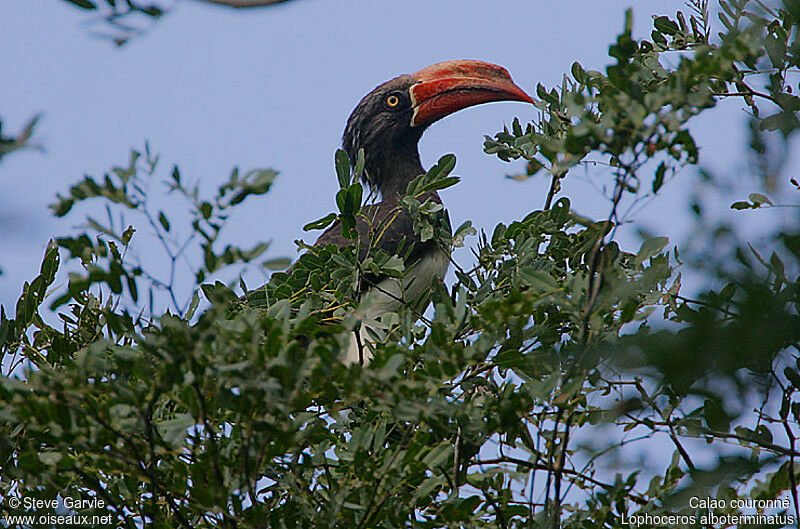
(554, 357)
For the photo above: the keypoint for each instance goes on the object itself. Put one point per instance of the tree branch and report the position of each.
(555, 185)
(244, 4)
(567, 471)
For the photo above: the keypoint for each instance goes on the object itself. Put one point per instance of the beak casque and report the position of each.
(446, 87)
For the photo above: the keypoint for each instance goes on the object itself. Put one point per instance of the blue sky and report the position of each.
(211, 88)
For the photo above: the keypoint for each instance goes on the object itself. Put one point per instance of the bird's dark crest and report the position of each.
(386, 135)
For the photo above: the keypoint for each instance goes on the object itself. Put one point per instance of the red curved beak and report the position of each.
(446, 87)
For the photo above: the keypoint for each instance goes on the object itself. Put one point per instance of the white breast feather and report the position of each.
(388, 295)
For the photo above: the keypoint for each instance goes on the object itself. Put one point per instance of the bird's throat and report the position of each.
(394, 170)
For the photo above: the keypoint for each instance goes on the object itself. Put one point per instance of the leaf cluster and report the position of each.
(549, 360)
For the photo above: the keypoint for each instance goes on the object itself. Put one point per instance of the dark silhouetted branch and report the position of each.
(243, 4)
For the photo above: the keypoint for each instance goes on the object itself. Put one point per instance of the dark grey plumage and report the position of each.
(391, 157)
(391, 161)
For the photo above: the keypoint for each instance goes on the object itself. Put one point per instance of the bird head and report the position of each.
(389, 121)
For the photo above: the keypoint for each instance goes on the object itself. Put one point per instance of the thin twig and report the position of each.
(567, 471)
(554, 187)
(786, 393)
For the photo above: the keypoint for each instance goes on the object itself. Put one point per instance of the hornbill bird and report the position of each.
(387, 124)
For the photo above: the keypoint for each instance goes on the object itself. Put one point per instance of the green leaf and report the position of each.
(715, 415)
(665, 25)
(162, 219)
(651, 247)
(278, 263)
(462, 232)
(341, 200)
(133, 290)
(658, 181)
(392, 366)
(193, 304)
(50, 458)
(85, 4)
(360, 161)
(786, 122)
(440, 183)
(393, 267)
(777, 266)
(342, 162)
(577, 72)
(438, 455)
(435, 178)
(354, 194)
(174, 431)
(319, 224)
(50, 263)
(153, 11)
(758, 199)
(206, 209)
(127, 235)
(443, 167)
(540, 281)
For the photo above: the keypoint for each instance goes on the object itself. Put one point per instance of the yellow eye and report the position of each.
(392, 101)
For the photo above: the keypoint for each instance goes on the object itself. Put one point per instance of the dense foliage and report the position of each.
(559, 381)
